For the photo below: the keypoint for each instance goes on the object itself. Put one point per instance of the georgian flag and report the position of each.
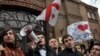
(50, 13)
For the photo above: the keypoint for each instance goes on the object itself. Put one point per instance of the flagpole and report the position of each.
(46, 34)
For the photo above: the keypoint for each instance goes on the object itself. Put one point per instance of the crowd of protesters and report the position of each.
(10, 46)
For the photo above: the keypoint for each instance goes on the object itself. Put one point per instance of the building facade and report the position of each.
(75, 11)
(18, 13)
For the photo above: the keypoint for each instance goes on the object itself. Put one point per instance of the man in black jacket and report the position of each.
(42, 50)
(53, 43)
(69, 47)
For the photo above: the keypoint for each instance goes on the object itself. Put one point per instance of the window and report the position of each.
(88, 13)
(91, 15)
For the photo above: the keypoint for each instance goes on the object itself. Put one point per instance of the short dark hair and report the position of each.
(97, 42)
(66, 36)
(52, 38)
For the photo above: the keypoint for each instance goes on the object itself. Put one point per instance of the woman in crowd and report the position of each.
(10, 44)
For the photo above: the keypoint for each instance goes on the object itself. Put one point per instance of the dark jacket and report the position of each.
(49, 52)
(69, 52)
(35, 52)
(30, 53)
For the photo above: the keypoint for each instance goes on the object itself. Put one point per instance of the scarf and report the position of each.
(13, 52)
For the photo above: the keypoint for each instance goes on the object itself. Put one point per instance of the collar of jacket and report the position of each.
(69, 49)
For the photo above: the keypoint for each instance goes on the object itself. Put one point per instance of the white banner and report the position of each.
(80, 31)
